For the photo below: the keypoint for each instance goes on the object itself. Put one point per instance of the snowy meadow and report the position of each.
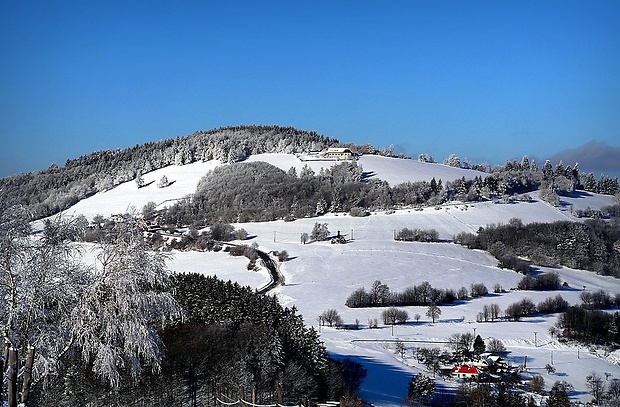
(319, 275)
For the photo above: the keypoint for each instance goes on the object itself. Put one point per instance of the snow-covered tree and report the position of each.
(453, 161)
(306, 172)
(420, 388)
(433, 312)
(319, 231)
(321, 206)
(547, 169)
(163, 182)
(525, 163)
(52, 305)
(126, 300)
(425, 158)
(40, 283)
(589, 182)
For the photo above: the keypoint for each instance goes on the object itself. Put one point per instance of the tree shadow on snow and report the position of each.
(366, 175)
(386, 385)
(146, 185)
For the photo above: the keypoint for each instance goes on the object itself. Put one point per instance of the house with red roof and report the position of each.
(465, 372)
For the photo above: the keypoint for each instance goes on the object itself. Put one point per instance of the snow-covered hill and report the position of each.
(320, 275)
(184, 180)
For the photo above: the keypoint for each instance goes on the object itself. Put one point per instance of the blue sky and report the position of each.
(486, 80)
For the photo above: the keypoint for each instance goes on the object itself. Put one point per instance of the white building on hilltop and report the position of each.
(332, 154)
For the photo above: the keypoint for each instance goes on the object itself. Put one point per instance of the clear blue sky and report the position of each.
(487, 80)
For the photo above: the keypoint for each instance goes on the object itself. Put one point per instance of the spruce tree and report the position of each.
(558, 396)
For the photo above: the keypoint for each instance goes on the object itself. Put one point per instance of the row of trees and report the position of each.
(589, 325)
(417, 235)
(522, 308)
(380, 295)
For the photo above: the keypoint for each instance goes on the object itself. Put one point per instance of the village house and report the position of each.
(465, 372)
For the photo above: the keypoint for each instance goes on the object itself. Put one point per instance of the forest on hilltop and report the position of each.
(57, 188)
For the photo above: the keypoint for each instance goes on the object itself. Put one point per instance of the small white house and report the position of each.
(338, 153)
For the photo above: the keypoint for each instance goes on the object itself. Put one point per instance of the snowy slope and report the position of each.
(393, 170)
(321, 275)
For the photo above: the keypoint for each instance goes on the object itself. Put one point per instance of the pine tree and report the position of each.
(139, 181)
(525, 163)
(163, 182)
(479, 345)
(421, 388)
(558, 396)
(434, 185)
(589, 182)
(321, 206)
(559, 169)
(547, 169)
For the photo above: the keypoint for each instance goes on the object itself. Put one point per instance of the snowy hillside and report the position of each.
(184, 179)
(320, 275)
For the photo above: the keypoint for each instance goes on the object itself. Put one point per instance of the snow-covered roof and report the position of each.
(338, 150)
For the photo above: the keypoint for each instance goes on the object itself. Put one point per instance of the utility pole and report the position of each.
(274, 236)
(535, 339)
(551, 357)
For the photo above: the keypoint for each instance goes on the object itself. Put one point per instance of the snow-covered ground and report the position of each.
(321, 275)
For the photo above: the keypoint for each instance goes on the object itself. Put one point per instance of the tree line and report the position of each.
(587, 245)
(380, 295)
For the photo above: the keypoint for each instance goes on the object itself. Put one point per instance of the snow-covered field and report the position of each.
(321, 275)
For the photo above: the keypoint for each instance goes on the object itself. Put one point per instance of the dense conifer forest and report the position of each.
(230, 342)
